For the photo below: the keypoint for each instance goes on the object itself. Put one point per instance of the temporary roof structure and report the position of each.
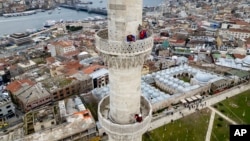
(193, 98)
(183, 101)
(198, 96)
(189, 99)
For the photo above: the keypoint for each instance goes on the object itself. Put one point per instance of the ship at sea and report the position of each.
(20, 13)
(49, 23)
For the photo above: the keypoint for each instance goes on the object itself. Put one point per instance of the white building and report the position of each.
(241, 64)
(6, 105)
(27, 65)
(236, 33)
(61, 48)
(169, 88)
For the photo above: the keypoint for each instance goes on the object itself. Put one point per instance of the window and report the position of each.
(7, 107)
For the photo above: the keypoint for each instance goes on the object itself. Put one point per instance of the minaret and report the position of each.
(125, 114)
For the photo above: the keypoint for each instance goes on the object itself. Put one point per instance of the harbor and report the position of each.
(36, 21)
(26, 13)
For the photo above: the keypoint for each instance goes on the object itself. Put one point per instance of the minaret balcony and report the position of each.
(123, 48)
(134, 128)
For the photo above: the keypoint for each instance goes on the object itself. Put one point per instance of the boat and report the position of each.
(49, 23)
(25, 13)
(59, 8)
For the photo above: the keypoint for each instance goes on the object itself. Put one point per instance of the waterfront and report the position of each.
(22, 23)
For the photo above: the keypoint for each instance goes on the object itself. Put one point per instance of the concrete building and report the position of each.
(18, 86)
(26, 65)
(61, 48)
(99, 75)
(33, 97)
(124, 114)
(20, 38)
(236, 33)
(62, 122)
(6, 106)
(61, 86)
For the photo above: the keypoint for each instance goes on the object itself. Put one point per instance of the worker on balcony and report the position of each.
(130, 38)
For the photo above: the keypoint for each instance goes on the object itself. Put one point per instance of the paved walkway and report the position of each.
(210, 126)
(164, 119)
(222, 115)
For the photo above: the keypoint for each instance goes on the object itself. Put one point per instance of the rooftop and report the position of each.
(57, 82)
(33, 93)
(4, 99)
(76, 122)
(18, 84)
(99, 73)
(239, 73)
(72, 53)
(62, 43)
(25, 65)
(91, 69)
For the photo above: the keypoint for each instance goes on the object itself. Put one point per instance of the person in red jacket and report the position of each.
(143, 34)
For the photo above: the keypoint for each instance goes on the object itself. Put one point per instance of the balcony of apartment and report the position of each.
(123, 48)
(134, 128)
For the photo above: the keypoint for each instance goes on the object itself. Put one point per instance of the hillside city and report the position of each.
(197, 76)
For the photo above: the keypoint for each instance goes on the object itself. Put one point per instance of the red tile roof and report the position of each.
(72, 53)
(239, 56)
(13, 67)
(50, 60)
(17, 84)
(73, 65)
(92, 68)
(63, 43)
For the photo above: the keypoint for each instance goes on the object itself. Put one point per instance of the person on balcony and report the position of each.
(143, 34)
(138, 117)
(131, 38)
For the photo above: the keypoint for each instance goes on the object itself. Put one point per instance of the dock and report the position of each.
(100, 11)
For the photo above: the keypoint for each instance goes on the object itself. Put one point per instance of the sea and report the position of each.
(9, 25)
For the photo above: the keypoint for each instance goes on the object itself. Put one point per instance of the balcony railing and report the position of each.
(107, 46)
(135, 128)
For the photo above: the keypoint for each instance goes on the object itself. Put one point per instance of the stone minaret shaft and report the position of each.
(124, 58)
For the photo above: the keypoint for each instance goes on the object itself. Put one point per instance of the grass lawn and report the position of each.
(189, 128)
(236, 108)
(220, 130)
